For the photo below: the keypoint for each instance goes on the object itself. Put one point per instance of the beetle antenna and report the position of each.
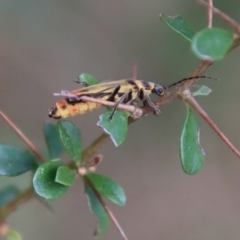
(189, 78)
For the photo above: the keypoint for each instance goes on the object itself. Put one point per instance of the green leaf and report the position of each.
(88, 79)
(202, 91)
(97, 209)
(108, 188)
(71, 139)
(212, 43)
(192, 155)
(65, 176)
(15, 161)
(53, 140)
(179, 25)
(7, 194)
(44, 181)
(13, 235)
(116, 128)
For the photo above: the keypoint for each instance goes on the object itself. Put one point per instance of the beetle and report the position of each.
(124, 91)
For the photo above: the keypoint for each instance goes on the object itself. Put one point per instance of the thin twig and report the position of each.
(23, 137)
(191, 100)
(134, 71)
(236, 42)
(107, 209)
(222, 15)
(4, 229)
(15, 203)
(209, 13)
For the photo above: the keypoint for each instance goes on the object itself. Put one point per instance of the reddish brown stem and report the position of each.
(209, 13)
(4, 229)
(191, 100)
(222, 15)
(107, 209)
(23, 137)
(16, 202)
(134, 71)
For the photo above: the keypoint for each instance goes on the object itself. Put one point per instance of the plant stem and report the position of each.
(187, 96)
(23, 137)
(107, 209)
(222, 15)
(15, 203)
(209, 13)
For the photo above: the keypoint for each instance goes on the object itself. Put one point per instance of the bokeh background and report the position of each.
(45, 45)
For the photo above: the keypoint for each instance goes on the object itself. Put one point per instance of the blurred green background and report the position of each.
(46, 44)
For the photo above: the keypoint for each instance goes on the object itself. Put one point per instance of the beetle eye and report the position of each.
(158, 89)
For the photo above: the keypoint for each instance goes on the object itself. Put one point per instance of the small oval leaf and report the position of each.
(179, 25)
(44, 181)
(192, 155)
(53, 140)
(108, 188)
(212, 43)
(65, 176)
(71, 139)
(202, 91)
(97, 209)
(15, 161)
(87, 79)
(116, 128)
(7, 194)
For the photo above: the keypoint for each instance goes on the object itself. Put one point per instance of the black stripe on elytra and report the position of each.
(132, 83)
(114, 93)
(77, 99)
(146, 85)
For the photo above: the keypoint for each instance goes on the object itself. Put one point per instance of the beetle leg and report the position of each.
(147, 101)
(121, 100)
(114, 93)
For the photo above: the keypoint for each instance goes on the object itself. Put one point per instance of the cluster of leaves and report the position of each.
(53, 178)
(208, 44)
